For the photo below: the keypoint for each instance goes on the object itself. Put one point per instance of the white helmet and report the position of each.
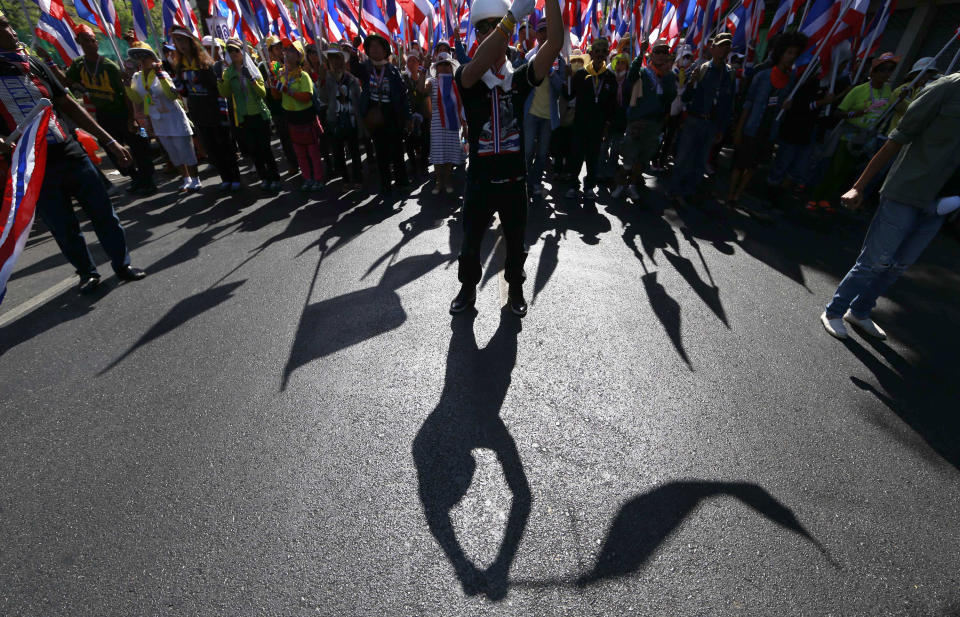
(488, 9)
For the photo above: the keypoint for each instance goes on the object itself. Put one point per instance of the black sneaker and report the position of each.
(133, 187)
(464, 300)
(129, 273)
(518, 303)
(89, 283)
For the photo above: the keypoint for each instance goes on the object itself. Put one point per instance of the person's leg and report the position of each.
(250, 135)
(259, 147)
(399, 166)
(339, 158)
(478, 209)
(782, 162)
(382, 152)
(685, 161)
(512, 210)
(576, 157)
(529, 138)
(316, 161)
(142, 158)
(228, 153)
(924, 230)
(592, 154)
(353, 143)
(56, 212)
(96, 203)
(289, 152)
(303, 159)
(892, 223)
(116, 127)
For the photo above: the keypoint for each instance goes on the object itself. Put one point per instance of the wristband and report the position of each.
(109, 143)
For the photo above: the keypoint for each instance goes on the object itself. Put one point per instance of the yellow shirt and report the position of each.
(300, 83)
(540, 106)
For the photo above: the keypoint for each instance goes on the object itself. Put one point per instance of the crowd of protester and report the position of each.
(669, 111)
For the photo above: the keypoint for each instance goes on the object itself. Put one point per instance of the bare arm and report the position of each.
(73, 110)
(548, 52)
(854, 196)
(490, 50)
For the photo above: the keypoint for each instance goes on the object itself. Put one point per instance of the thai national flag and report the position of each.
(784, 16)
(450, 107)
(244, 20)
(87, 11)
(349, 18)
(871, 38)
(372, 19)
(140, 10)
(335, 30)
(419, 10)
(390, 6)
(59, 33)
(287, 27)
(28, 164)
(178, 13)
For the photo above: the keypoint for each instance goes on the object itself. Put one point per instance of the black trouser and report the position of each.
(388, 144)
(586, 147)
(669, 137)
(418, 147)
(561, 147)
(482, 200)
(280, 123)
(221, 151)
(256, 138)
(350, 141)
(141, 172)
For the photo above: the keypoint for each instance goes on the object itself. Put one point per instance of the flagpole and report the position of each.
(873, 38)
(153, 26)
(108, 28)
(816, 55)
(26, 18)
(723, 21)
(806, 9)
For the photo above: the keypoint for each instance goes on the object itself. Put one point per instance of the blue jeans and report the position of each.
(536, 128)
(75, 177)
(792, 162)
(693, 151)
(896, 238)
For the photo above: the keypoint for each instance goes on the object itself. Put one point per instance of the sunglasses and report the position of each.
(486, 26)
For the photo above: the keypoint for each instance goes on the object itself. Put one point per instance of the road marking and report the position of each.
(36, 301)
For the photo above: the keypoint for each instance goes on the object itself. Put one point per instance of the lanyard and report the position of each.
(597, 85)
(379, 81)
(96, 68)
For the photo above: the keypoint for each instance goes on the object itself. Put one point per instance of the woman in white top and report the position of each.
(445, 148)
(152, 88)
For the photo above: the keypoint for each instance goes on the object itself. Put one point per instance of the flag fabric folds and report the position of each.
(28, 164)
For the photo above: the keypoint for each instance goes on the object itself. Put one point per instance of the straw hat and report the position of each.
(139, 50)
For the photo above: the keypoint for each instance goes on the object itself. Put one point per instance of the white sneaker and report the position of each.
(834, 326)
(866, 326)
(187, 184)
(617, 192)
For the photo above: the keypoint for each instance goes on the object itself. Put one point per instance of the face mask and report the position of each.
(379, 62)
(621, 74)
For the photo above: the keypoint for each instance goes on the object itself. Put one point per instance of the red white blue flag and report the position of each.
(28, 163)
(450, 107)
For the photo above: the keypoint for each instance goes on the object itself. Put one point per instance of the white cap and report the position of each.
(488, 9)
(208, 41)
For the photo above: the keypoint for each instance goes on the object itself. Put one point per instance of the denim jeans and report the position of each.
(77, 178)
(536, 129)
(693, 149)
(896, 238)
(792, 162)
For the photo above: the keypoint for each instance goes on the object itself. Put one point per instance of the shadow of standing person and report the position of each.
(466, 418)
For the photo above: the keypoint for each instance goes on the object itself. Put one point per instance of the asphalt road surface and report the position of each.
(283, 419)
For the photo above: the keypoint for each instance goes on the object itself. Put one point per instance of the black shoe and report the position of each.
(129, 273)
(464, 300)
(146, 189)
(134, 186)
(89, 283)
(517, 302)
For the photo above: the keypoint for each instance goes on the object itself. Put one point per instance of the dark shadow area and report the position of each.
(353, 223)
(66, 306)
(181, 313)
(646, 226)
(467, 417)
(188, 250)
(430, 216)
(667, 311)
(646, 521)
(926, 398)
(708, 292)
(337, 323)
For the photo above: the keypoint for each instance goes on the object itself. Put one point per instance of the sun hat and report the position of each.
(444, 57)
(923, 65)
(884, 58)
(481, 10)
(139, 49)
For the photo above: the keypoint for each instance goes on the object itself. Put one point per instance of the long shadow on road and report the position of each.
(467, 417)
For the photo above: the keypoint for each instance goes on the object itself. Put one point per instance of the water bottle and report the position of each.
(143, 132)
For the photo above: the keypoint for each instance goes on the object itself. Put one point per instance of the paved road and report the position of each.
(282, 419)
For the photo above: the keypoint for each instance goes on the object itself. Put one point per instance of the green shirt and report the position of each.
(101, 79)
(865, 97)
(930, 134)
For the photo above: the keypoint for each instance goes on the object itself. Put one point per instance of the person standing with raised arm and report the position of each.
(493, 95)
